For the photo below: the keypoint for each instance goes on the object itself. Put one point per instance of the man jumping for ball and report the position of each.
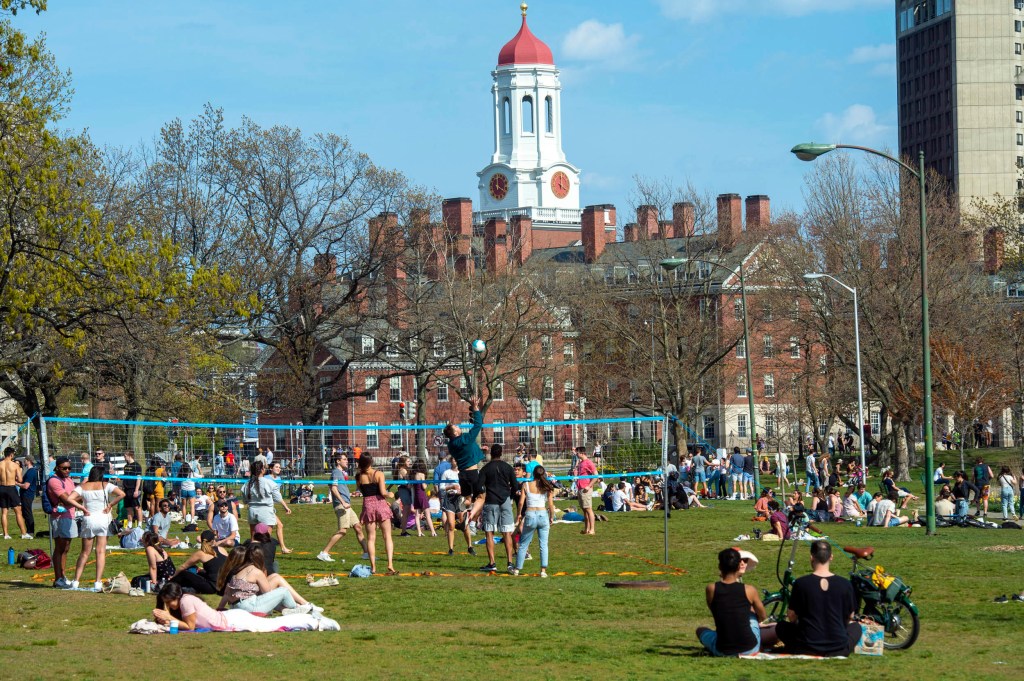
(467, 454)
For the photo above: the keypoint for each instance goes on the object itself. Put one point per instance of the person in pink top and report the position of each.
(190, 612)
(585, 487)
(63, 528)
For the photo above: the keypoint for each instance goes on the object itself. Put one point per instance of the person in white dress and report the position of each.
(98, 496)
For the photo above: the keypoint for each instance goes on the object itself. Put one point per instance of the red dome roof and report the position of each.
(525, 48)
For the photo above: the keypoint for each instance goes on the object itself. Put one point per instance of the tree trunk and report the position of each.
(421, 405)
(901, 464)
(679, 437)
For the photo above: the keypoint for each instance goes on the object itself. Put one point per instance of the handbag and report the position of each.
(119, 585)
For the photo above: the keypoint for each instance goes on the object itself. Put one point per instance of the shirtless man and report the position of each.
(10, 492)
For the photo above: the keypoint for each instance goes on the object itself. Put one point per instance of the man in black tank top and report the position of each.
(737, 609)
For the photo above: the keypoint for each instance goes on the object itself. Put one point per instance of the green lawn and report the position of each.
(459, 622)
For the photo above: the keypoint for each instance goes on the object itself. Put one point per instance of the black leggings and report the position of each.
(196, 582)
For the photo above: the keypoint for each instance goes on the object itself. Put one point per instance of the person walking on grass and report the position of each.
(341, 496)
(260, 494)
(537, 497)
(585, 487)
(376, 513)
(498, 482)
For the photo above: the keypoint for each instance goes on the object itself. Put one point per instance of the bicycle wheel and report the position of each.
(900, 623)
(775, 606)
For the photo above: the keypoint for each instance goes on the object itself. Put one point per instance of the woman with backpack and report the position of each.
(99, 497)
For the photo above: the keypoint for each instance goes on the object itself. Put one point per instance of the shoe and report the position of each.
(74, 584)
(315, 609)
(471, 550)
(490, 567)
(1017, 597)
(543, 573)
(327, 624)
(98, 586)
(61, 583)
(528, 556)
(27, 536)
(365, 556)
(511, 568)
(7, 536)
(405, 534)
(325, 557)
(304, 609)
(1001, 599)
(451, 552)
(513, 571)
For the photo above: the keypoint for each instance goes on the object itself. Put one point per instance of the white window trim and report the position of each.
(372, 397)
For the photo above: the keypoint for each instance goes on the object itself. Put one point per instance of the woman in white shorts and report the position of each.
(99, 497)
(260, 495)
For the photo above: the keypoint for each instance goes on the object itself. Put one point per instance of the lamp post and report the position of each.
(670, 264)
(811, 151)
(860, 385)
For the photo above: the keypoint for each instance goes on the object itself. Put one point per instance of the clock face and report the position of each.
(498, 186)
(560, 184)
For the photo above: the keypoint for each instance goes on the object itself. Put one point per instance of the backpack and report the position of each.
(47, 505)
(148, 486)
(35, 559)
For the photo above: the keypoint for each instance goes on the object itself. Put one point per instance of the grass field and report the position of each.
(459, 622)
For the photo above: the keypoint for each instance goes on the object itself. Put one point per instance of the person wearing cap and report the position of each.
(736, 608)
(269, 546)
(211, 556)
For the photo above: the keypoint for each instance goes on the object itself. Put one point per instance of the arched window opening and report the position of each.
(528, 114)
(506, 116)
(549, 110)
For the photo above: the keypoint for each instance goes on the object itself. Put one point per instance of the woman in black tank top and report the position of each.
(737, 609)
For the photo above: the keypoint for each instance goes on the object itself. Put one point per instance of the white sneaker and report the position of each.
(365, 556)
(327, 624)
(325, 557)
(27, 536)
(544, 574)
(73, 584)
(7, 536)
(304, 609)
(315, 609)
(98, 586)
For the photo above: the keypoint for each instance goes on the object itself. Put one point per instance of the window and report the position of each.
(395, 389)
(1020, 116)
(549, 115)
(769, 350)
(498, 391)
(704, 270)
(521, 392)
(794, 347)
(545, 346)
(822, 428)
(549, 388)
(741, 386)
(369, 345)
(1016, 48)
(737, 309)
(709, 427)
(549, 434)
(569, 354)
(528, 114)
(569, 392)
(524, 436)
(741, 348)
(397, 437)
(372, 441)
(1020, 139)
(1018, 92)
(438, 346)
(876, 423)
(391, 350)
(506, 116)
(372, 397)
(1015, 290)
(1016, 26)
(767, 313)
(769, 425)
(741, 425)
(498, 433)
(442, 392)
(794, 312)
(769, 385)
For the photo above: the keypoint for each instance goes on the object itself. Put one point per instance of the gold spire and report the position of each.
(523, 7)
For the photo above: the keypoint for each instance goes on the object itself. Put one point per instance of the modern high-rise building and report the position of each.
(961, 91)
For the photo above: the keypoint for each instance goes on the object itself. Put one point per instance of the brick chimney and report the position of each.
(429, 241)
(520, 239)
(325, 267)
(994, 250)
(631, 232)
(495, 246)
(683, 219)
(759, 214)
(970, 240)
(647, 222)
(457, 215)
(592, 233)
(730, 220)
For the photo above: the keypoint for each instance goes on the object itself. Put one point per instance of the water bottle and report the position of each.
(10, 555)
(174, 627)
(858, 522)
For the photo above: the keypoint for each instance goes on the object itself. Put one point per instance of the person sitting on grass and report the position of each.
(246, 585)
(778, 520)
(885, 513)
(944, 506)
(161, 565)
(211, 557)
(761, 505)
(851, 506)
(901, 492)
(736, 608)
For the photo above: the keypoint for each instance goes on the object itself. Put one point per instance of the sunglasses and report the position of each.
(64, 468)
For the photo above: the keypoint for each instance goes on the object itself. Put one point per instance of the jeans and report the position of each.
(535, 521)
(961, 508)
(268, 602)
(26, 512)
(1008, 505)
(812, 482)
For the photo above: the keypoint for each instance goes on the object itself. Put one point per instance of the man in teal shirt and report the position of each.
(467, 454)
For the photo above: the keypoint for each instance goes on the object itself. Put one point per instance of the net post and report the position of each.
(664, 478)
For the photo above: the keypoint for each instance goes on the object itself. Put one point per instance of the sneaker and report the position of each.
(451, 552)
(365, 556)
(315, 609)
(27, 536)
(74, 585)
(97, 586)
(1017, 597)
(528, 556)
(543, 573)
(325, 557)
(7, 536)
(490, 567)
(61, 583)
(297, 610)
(1001, 599)
(471, 550)
(511, 569)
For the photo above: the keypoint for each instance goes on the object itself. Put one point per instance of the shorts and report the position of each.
(262, 514)
(700, 476)
(709, 637)
(10, 497)
(95, 525)
(451, 503)
(188, 494)
(346, 518)
(499, 517)
(894, 522)
(748, 477)
(586, 499)
(468, 482)
(130, 500)
(63, 528)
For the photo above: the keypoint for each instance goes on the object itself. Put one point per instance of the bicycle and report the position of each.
(888, 605)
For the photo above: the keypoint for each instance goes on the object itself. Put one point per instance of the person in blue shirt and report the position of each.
(464, 449)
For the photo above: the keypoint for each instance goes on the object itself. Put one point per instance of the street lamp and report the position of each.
(670, 264)
(811, 151)
(860, 386)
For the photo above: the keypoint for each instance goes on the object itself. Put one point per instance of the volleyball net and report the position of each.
(216, 451)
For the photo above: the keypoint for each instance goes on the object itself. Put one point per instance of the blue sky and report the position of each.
(710, 91)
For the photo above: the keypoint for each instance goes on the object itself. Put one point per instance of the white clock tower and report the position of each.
(528, 173)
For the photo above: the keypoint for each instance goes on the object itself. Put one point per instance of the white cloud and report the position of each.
(594, 41)
(869, 54)
(702, 10)
(858, 124)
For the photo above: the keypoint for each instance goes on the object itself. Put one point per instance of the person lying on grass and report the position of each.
(175, 605)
